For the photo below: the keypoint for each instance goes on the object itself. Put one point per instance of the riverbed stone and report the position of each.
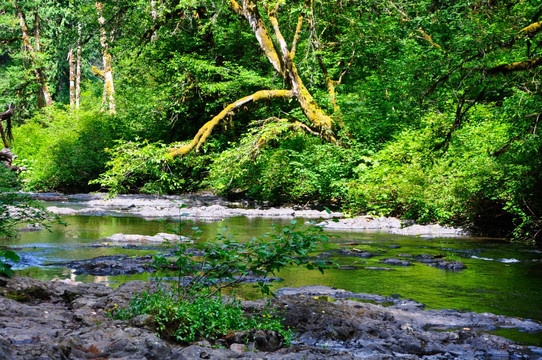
(76, 326)
(143, 239)
(395, 261)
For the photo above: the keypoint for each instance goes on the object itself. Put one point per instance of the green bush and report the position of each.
(274, 164)
(64, 150)
(147, 168)
(194, 308)
(202, 317)
(483, 179)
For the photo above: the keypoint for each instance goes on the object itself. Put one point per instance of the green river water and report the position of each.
(500, 277)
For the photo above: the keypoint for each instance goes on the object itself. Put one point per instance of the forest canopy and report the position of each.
(426, 110)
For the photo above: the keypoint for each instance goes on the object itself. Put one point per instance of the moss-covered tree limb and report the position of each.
(515, 66)
(206, 129)
(282, 60)
(316, 116)
(533, 28)
(249, 11)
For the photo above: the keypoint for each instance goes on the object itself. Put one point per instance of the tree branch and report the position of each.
(207, 128)
(533, 28)
(298, 27)
(515, 66)
(249, 11)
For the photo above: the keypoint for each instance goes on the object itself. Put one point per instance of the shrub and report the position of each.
(64, 150)
(274, 164)
(140, 166)
(483, 179)
(194, 308)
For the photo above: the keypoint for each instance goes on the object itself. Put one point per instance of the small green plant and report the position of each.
(5, 267)
(195, 309)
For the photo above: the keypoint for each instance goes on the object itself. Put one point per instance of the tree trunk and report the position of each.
(6, 116)
(282, 60)
(107, 73)
(78, 68)
(37, 69)
(71, 61)
(154, 15)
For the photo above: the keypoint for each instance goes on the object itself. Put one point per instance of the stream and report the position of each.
(500, 277)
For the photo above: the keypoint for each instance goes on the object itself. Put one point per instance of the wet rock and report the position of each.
(393, 226)
(430, 231)
(378, 268)
(111, 265)
(440, 262)
(369, 330)
(348, 267)
(32, 227)
(396, 262)
(200, 206)
(256, 339)
(56, 197)
(139, 239)
(356, 253)
(449, 265)
(70, 322)
(364, 223)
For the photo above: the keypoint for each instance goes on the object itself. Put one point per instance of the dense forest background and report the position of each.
(426, 110)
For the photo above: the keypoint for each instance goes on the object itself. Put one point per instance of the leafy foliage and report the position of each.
(194, 309)
(274, 164)
(147, 168)
(436, 105)
(64, 150)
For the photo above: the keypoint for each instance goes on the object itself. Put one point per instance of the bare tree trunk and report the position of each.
(78, 69)
(71, 61)
(6, 116)
(154, 14)
(37, 30)
(107, 72)
(38, 71)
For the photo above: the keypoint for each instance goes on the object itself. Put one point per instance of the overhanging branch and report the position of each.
(206, 129)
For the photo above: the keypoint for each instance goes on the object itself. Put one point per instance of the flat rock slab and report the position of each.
(202, 207)
(145, 239)
(393, 226)
(212, 208)
(64, 320)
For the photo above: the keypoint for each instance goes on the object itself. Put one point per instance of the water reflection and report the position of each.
(492, 281)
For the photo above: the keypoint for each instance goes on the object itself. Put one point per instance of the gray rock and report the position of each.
(69, 321)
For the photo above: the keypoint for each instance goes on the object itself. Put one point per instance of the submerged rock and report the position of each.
(111, 265)
(394, 261)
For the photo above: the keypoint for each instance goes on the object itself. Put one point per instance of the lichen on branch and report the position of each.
(207, 128)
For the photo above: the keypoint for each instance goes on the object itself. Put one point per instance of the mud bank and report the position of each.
(65, 320)
(212, 208)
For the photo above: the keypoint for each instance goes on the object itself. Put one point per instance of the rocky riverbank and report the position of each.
(67, 320)
(212, 208)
